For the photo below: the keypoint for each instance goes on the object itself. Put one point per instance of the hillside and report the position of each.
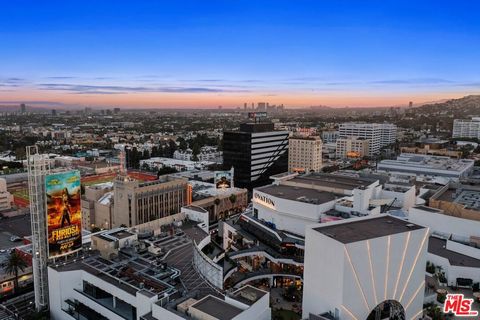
(459, 108)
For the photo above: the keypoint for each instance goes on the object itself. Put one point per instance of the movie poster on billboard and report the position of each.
(64, 213)
(223, 179)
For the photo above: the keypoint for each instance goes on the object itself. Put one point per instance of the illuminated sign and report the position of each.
(253, 115)
(353, 154)
(267, 201)
(223, 179)
(64, 213)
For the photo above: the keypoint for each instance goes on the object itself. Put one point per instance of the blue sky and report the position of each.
(173, 53)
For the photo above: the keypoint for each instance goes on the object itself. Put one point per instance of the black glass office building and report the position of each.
(256, 152)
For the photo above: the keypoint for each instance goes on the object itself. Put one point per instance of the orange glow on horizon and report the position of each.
(228, 100)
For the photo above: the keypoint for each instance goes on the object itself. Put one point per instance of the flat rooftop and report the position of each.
(470, 198)
(122, 234)
(365, 229)
(425, 162)
(248, 295)
(195, 208)
(217, 308)
(428, 209)
(437, 247)
(300, 194)
(333, 181)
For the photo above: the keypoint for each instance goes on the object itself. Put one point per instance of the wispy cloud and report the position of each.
(469, 84)
(61, 77)
(413, 81)
(15, 80)
(98, 89)
(12, 82)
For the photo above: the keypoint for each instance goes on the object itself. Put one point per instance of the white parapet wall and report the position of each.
(211, 271)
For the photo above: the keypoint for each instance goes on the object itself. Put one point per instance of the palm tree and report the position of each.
(15, 264)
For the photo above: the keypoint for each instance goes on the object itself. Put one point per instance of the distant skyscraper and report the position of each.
(23, 108)
(410, 104)
(116, 110)
(245, 106)
(256, 152)
(54, 112)
(262, 106)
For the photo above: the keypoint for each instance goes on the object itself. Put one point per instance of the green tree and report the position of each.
(195, 151)
(14, 265)
(182, 144)
(233, 198)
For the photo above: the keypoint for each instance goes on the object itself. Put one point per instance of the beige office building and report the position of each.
(138, 202)
(304, 154)
(90, 205)
(6, 197)
(352, 147)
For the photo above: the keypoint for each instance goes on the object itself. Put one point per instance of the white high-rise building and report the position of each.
(378, 134)
(466, 128)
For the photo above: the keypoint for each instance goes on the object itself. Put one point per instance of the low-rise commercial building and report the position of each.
(219, 203)
(141, 277)
(427, 165)
(453, 216)
(294, 201)
(352, 147)
(138, 202)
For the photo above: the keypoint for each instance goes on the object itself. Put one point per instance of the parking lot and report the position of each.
(18, 226)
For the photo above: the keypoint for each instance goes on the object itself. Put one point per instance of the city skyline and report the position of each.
(193, 54)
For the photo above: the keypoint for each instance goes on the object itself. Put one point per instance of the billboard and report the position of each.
(254, 115)
(223, 179)
(64, 213)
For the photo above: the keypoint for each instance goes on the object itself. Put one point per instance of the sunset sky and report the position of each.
(209, 53)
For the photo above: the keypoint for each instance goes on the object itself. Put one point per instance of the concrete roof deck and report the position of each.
(300, 194)
(437, 247)
(217, 308)
(333, 181)
(367, 228)
(248, 294)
